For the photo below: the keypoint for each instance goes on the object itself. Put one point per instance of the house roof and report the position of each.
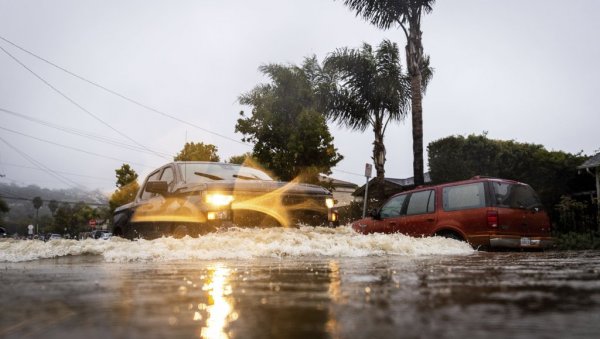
(337, 182)
(591, 162)
(393, 184)
(408, 181)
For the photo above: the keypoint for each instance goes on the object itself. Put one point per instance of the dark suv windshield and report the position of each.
(515, 195)
(205, 172)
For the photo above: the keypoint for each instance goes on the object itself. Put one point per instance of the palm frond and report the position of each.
(426, 73)
(386, 13)
(367, 85)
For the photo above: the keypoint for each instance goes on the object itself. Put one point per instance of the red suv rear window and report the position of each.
(511, 195)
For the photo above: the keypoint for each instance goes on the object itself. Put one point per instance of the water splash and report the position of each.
(239, 243)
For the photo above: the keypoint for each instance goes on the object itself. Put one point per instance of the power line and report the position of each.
(72, 148)
(73, 101)
(38, 164)
(61, 172)
(346, 172)
(60, 201)
(135, 102)
(82, 133)
(41, 182)
(122, 96)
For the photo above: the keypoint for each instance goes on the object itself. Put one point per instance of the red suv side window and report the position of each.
(393, 207)
(421, 203)
(465, 196)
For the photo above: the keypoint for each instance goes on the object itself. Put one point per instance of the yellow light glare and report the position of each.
(329, 202)
(334, 217)
(218, 199)
(212, 216)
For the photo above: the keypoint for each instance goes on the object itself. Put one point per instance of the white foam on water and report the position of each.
(239, 243)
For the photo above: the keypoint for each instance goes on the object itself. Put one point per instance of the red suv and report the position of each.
(485, 212)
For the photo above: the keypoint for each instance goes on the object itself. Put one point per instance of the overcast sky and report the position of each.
(522, 70)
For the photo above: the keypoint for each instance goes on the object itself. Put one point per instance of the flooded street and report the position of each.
(326, 286)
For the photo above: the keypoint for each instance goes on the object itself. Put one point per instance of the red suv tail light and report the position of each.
(492, 219)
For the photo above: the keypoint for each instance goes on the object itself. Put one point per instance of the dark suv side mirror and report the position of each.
(159, 187)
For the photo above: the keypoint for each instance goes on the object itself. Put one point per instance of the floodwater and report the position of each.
(293, 283)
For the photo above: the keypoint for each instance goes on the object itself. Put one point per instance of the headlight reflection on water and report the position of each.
(219, 308)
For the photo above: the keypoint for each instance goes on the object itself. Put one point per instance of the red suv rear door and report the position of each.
(464, 207)
(518, 209)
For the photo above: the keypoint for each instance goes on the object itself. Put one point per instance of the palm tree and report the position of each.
(37, 203)
(367, 88)
(53, 206)
(407, 14)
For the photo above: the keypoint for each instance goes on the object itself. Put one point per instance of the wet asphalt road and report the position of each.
(483, 295)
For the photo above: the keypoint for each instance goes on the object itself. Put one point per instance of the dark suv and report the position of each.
(193, 198)
(485, 212)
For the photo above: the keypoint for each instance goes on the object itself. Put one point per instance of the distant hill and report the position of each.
(18, 199)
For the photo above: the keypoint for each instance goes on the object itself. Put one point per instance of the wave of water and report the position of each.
(238, 243)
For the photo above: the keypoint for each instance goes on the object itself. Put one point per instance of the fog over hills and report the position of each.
(19, 200)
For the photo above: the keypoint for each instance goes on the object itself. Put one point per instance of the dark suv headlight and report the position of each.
(218, 199)
(329, 202)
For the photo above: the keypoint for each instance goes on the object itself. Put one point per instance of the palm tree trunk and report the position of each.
(417, 129)
(379, 158)
(414, 56)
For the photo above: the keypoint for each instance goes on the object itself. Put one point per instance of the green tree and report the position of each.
(246, 159)
(290, 134)
(371, 91)
(125, 175)
(198, 152)
(103, 212)
(127, 187)
(407, 14)
(240, 159)
(73, 219)
(551, 173)
(3, 208)
(62, 218)
(123, 195)
(82, 213)
(53, 206)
